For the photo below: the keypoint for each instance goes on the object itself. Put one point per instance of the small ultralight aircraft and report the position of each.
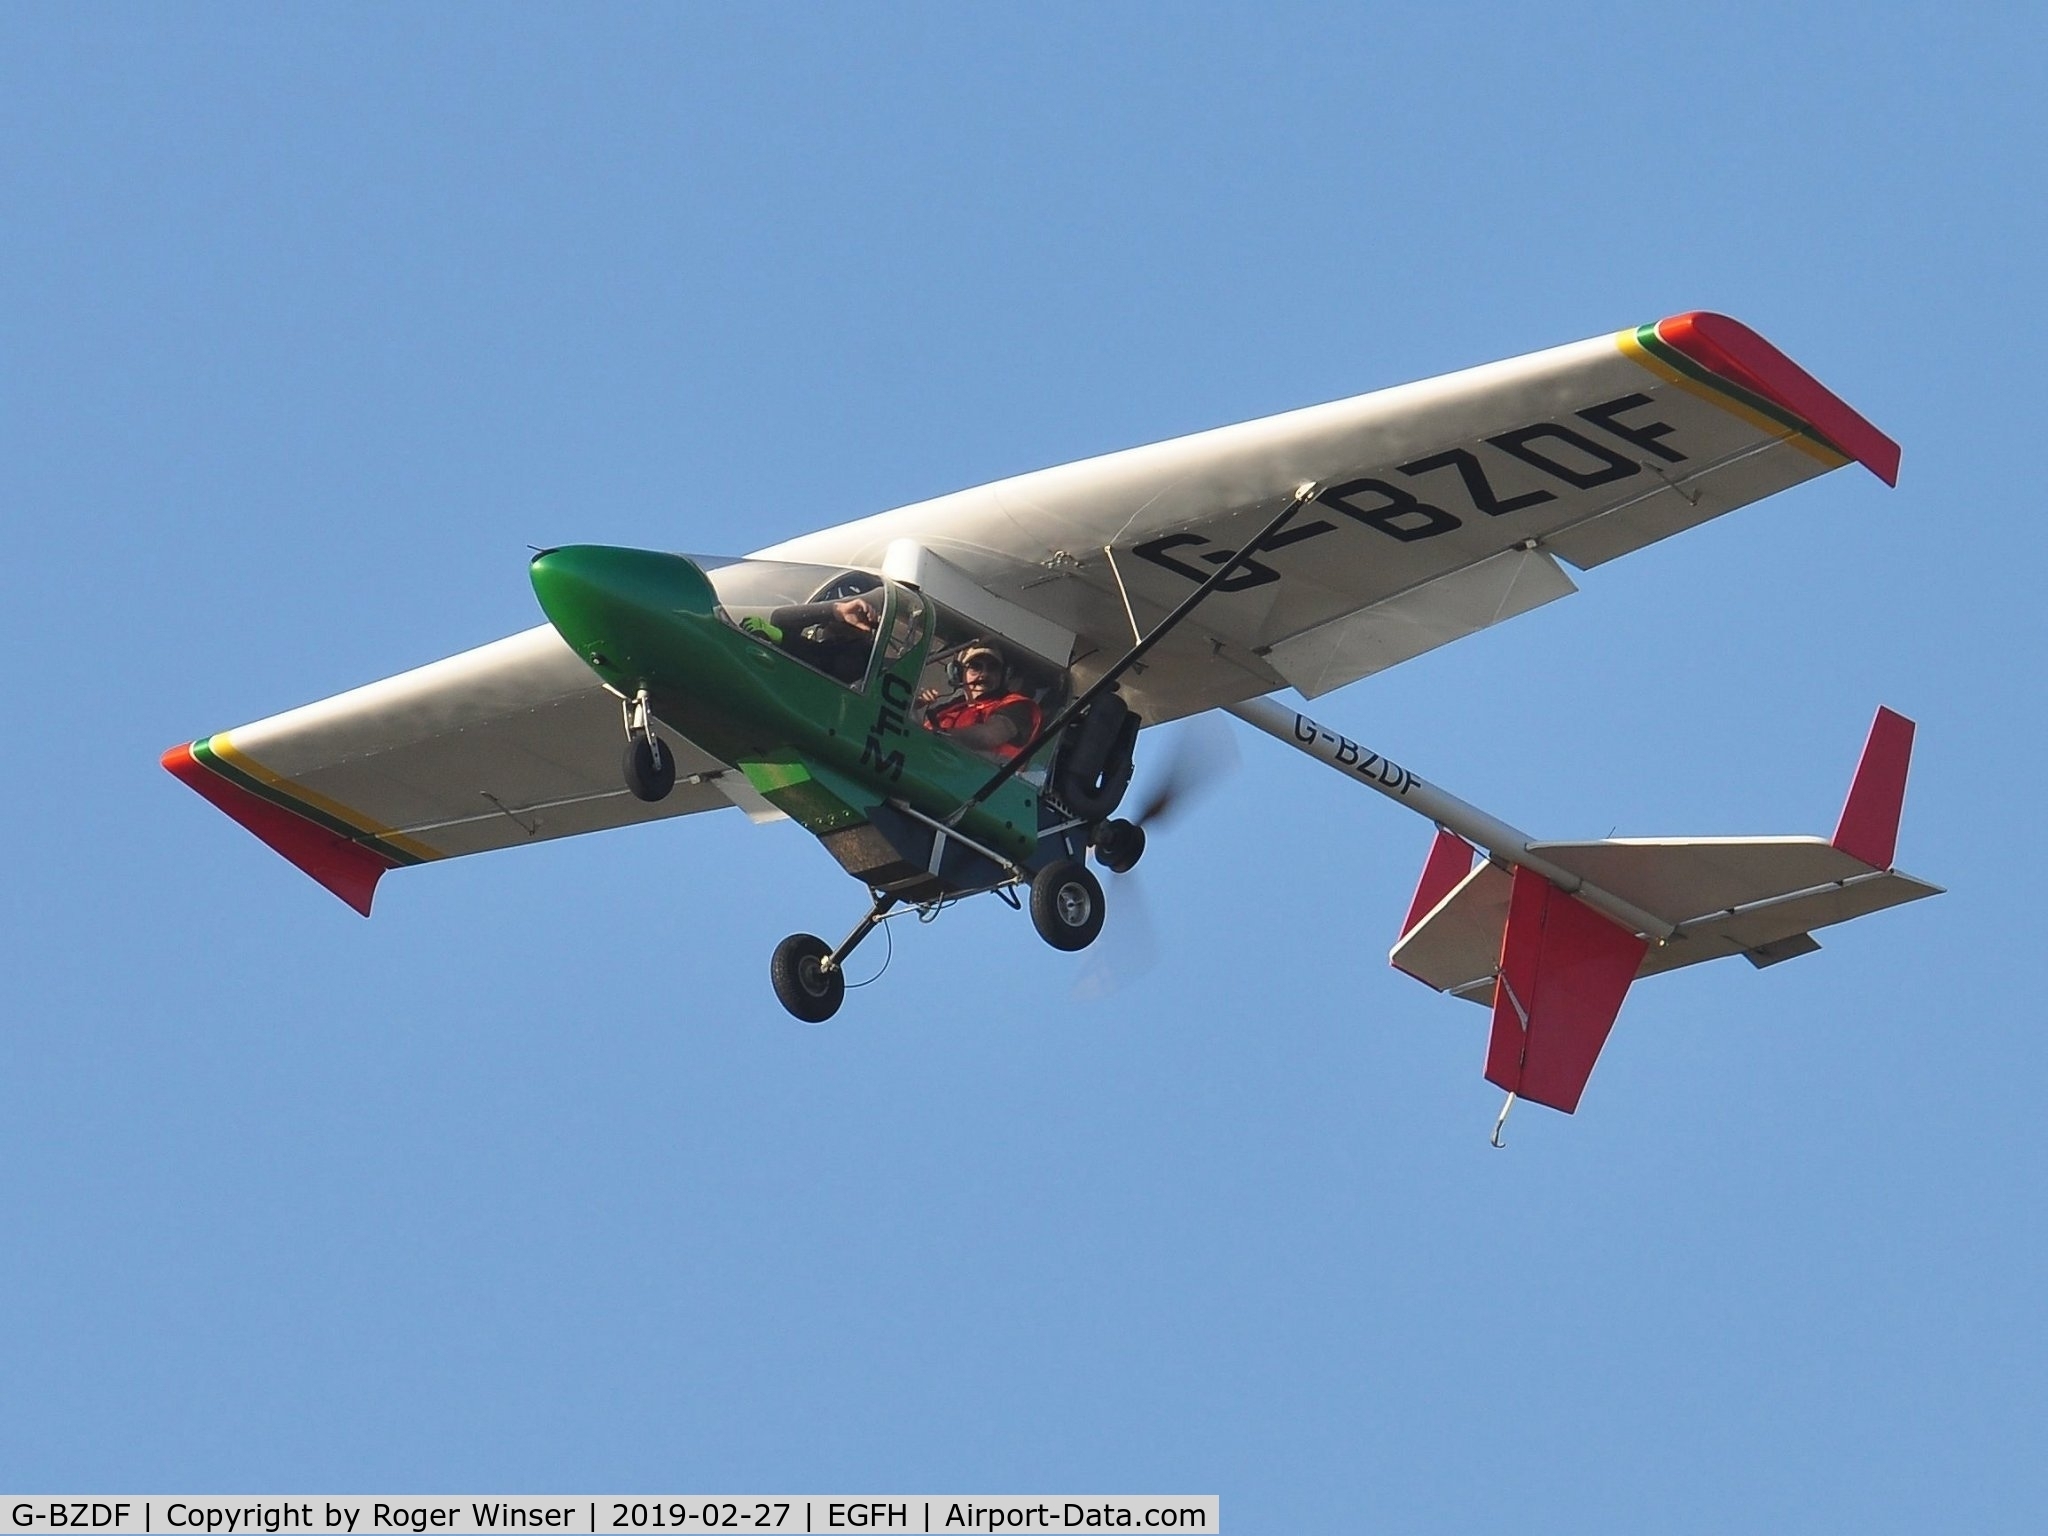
(949, 695)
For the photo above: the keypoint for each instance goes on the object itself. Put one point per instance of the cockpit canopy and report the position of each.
(757, 585)
(797, 609)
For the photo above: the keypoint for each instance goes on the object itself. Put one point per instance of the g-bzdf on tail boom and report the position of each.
(948, 696)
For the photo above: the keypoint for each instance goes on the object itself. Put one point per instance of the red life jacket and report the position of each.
(962, 713)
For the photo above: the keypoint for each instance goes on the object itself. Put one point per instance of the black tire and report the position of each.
(1119, 845)
(1093, 768)
(649, 768)
(807, 991)
(1066, 904)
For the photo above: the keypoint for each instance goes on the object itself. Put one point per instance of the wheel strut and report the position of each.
(862, 929)
(649, 767)
(639, 717)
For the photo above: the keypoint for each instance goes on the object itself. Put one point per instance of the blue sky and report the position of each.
(316, 318)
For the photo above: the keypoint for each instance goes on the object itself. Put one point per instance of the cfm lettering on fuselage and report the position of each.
(892, 719)
(1564, 455)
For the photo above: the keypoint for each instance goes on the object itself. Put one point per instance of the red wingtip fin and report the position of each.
(1869, 828)
(1449, 861)
(346, 868)
(1735, 352)
(1564, 970)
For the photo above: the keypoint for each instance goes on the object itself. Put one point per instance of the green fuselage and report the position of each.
(830, 754)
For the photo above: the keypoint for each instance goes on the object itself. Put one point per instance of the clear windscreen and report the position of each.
(828, 619)
(752, 584)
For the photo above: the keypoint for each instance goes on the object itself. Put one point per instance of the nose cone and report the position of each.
(645, 578)
(619, 607)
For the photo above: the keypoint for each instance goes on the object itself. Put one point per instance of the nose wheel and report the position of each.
(648, 767)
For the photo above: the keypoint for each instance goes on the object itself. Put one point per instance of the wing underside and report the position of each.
(1446, 506)
(512, 743)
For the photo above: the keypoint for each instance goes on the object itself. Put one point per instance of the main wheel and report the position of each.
(1119, 845)
(1066, 905)
(649, 767)
(802, 984)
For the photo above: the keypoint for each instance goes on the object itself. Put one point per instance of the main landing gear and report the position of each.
(809, 976)
(1066, 904)
(1063, 895)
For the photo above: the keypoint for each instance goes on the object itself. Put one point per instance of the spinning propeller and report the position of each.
(1201, 754)
(1197, 755)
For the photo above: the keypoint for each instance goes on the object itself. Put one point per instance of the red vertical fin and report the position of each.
(1449, 861)
(1869, 828)
(1564, 970)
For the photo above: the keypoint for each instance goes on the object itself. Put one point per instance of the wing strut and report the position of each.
(1302, 495)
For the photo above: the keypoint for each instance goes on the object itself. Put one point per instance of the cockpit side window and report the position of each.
(1028, 674)
(830, 626)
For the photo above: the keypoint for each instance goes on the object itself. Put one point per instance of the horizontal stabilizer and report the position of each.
(1681, 877)
(1455, 946)
(1724, 896)
(1735, 895)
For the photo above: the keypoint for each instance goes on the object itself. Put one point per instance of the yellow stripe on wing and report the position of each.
(1640, 355)
(225, 749)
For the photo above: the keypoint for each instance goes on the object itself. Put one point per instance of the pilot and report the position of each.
(835, 637)
(987, 715)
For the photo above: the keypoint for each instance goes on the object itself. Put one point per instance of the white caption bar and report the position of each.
(382, 1514)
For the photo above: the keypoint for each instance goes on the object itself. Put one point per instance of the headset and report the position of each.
(956, 675)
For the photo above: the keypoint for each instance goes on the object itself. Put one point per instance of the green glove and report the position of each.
(755, 625)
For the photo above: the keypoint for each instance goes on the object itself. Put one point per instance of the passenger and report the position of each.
(986, 716)
(835, 637)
